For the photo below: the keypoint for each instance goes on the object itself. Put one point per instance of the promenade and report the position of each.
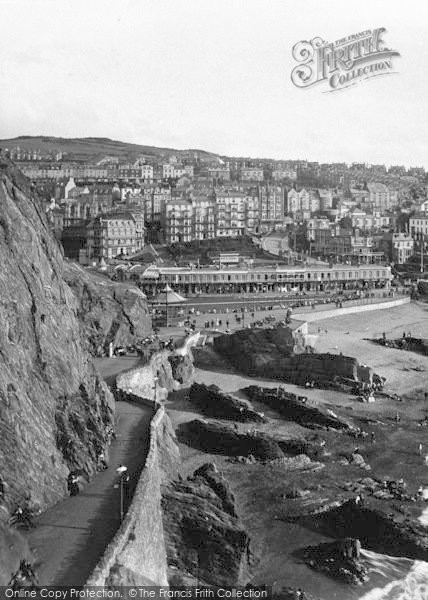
(70, 537)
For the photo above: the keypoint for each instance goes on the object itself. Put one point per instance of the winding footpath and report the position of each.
(71, 536)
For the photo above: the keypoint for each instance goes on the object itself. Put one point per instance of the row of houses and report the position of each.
(180, 217)
(354, 245)
(376, 195)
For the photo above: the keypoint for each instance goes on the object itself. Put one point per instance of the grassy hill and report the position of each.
(92, 148)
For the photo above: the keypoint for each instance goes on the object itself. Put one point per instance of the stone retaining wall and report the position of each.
(348, 310)
(136, 554)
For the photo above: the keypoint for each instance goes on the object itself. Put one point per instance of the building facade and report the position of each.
(111, 235)
(264, 279)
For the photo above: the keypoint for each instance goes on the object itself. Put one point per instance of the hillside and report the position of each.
(91, 148)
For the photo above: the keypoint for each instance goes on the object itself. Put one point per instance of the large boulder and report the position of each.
(266, 353)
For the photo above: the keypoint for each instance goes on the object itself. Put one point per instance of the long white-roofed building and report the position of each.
(274, 278)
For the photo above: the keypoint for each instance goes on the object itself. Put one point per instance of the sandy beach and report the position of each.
(258, 490)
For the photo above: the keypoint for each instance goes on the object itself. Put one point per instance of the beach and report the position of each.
(259, 490)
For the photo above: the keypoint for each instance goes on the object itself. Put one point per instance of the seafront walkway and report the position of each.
(70, 537)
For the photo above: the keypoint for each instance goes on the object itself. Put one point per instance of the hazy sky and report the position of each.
(212, 75)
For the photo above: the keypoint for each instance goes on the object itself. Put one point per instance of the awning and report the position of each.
(151, 272)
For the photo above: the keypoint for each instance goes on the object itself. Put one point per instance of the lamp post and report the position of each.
(155, 389)
(121, 470)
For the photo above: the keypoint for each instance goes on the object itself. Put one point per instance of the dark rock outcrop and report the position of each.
(54, 410)
(108, 311)
(411, 344)
(259, 346)
(377, 530)
(295, 408)
(339, 559)
(266, 352)
(219, 439)
(295, 447)
(204, 539)
(182, 368)
(215, 403)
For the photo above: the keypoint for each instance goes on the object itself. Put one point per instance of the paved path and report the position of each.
(109, 368)
(71, 536)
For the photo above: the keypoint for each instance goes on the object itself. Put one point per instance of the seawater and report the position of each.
(408, 579)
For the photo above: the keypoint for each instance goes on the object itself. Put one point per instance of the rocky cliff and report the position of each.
(54, 410)
(108, 311)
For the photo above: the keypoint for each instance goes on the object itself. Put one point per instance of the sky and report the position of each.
(212, 75)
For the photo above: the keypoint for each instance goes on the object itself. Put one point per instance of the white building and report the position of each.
(402, 247)
(231, 212)
(251, 174)
(418, 224)
(381, 196)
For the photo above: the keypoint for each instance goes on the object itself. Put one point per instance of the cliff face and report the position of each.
(54, 410)
(108, 311)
